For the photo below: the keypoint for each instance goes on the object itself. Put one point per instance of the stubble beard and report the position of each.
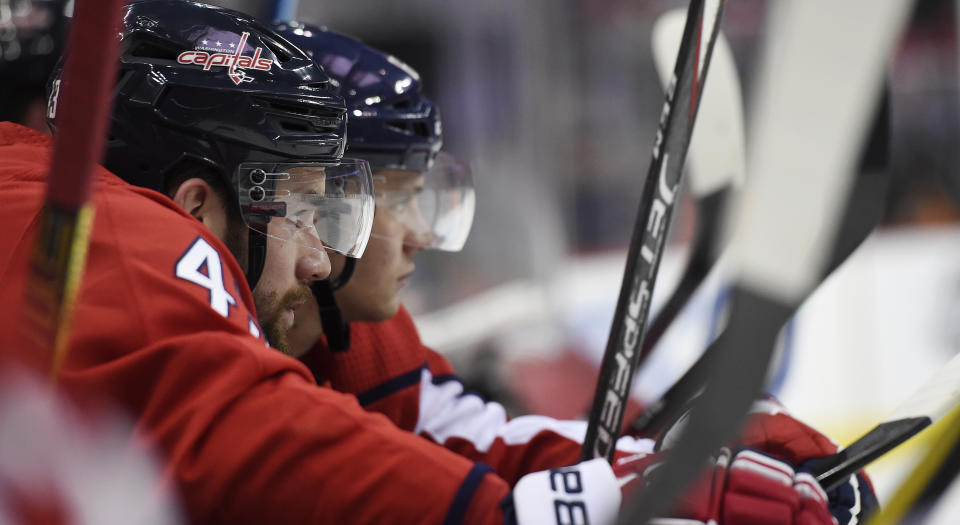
(269, 308)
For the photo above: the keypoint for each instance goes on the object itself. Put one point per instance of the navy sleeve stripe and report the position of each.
(458, 508)
(446, 378)
(443, 378)
(400, 382)
(389, 387)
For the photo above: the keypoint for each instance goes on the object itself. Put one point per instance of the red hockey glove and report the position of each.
(770, 429)
(775, 432)
(743, 488)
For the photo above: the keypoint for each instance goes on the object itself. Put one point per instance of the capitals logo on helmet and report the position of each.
(235, 61)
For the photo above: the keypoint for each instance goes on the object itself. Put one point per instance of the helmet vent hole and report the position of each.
(281, 52)
(293, 108)
(293, 126)
(421, 129)
(399, 125)
(148, 49)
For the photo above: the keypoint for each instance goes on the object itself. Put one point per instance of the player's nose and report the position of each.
(313, 265)
(415, 241)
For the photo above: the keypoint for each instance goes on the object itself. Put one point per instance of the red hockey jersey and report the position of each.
(390, 371)
(163, 327)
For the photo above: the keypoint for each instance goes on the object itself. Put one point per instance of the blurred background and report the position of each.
(555, 104)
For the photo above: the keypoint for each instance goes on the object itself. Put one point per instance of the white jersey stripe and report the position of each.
(445, 413)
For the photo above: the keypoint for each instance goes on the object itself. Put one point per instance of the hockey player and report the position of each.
(424, 206)
(164, 321)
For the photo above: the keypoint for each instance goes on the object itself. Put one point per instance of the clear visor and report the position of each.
(319, 206)
(436, 207)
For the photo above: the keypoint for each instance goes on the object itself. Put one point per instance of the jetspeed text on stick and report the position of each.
(639, 298)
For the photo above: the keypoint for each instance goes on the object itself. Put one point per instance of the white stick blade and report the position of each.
(936, 397)
(818, 83)
(716, 157)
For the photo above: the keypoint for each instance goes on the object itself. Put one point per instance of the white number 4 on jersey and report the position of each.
(201, 265)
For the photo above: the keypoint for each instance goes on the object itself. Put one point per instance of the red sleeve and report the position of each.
(247, 435)
(382, 367)
(393, 373)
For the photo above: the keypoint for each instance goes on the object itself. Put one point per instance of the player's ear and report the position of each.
(197, 198)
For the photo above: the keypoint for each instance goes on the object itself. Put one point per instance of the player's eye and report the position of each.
(399, 203)
(303, 219)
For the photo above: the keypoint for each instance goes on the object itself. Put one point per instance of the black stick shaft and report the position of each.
(699, 263)
(646, 247)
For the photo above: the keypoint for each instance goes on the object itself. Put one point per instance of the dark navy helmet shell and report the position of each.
(391, 123)
(208, 85)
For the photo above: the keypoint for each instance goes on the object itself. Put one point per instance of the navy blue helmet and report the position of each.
(203, 85)
(391, 123)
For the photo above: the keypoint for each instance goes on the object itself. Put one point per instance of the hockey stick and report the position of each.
(646, 247)
(800, 172)
(926, 406)
(715, 162)
(59, 253)
(917, 494)
(863, 212)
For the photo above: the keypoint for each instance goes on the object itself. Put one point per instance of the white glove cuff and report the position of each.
(587, 492)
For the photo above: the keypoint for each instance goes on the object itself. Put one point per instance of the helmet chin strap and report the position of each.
(331, 318)
(257, 256)
(349, 265)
